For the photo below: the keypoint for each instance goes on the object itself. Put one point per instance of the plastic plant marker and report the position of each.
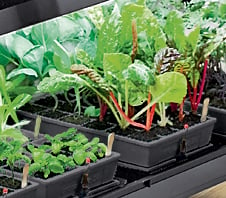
(205, 109)
(37, 126)
(25, 175)
(111, 138)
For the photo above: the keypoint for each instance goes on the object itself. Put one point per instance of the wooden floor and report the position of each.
(218, 191)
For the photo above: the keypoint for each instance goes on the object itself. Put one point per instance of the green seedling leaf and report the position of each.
(79, 157)
(92, 111)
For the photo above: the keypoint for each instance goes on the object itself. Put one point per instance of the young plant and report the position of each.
(12, 152)
(8, 109)
(47, 163)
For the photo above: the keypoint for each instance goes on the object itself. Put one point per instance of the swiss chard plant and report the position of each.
(194, 53)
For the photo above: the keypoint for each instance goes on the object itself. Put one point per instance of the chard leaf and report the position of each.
(149, 26)
(174, 29)
(58, 82)
(169, 87)
(140, 75)
(96, 15)
(68, 29)
(193, 38)
(114, 64)
(108, 35)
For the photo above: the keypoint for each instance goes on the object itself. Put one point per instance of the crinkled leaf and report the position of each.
(58, 82)
(140, 75)
(108, 35)
(169, 87)
(114, 64)
(145, 22)
(55, 166)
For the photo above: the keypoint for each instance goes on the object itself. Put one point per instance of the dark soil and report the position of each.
(135, 133)
(55, 115)
(190, 119)
(10, 183)
(79, 120)
(99, 125)
(46, 102)
(32, 108)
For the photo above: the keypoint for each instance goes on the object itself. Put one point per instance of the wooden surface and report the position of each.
(218, 191)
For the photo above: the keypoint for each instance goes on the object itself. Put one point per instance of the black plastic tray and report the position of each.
(198, 171)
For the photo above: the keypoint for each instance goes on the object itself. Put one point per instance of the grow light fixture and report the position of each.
(16, 14)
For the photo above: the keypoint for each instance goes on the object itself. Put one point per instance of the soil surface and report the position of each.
(80, 120)
(10, 182)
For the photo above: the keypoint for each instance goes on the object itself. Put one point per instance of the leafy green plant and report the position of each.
(47, 163)
(194, 53)
(77, 144)
(12, 152)
(8, 109)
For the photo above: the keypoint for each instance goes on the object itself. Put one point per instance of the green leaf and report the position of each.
(58, 82)
(140, 75)
(92, 111)
(193, 38)
(149, 26)
(27, 71)
(5, 56)
(45, 33)
(20, 46)
(92, 156)
(108, 35)
(169, 87)
(34, 59)
(55, 166)
(114, 64)
(14, 134)
(174, 29)
(79, 157)
(61, 57)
